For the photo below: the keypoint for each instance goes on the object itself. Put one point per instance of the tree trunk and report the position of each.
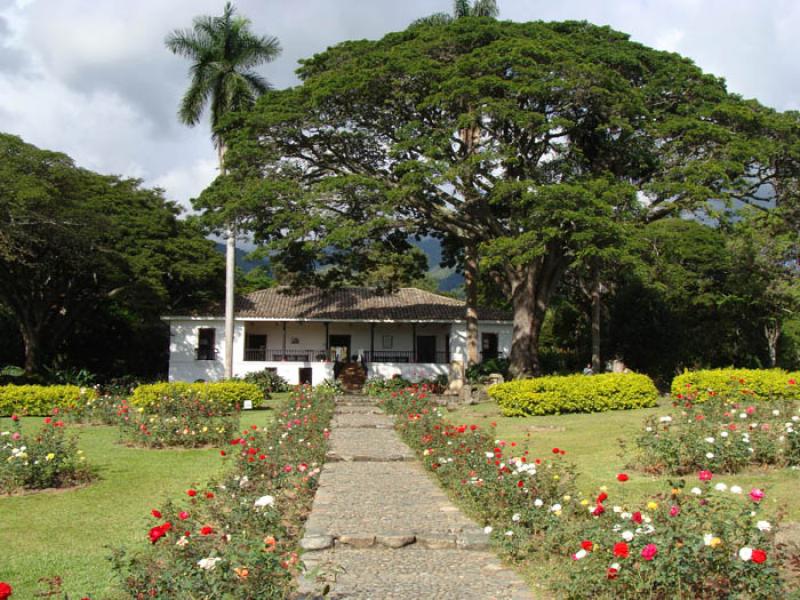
(597, 300)
(30, 337)
(471, 292)
(523, 300)
(772, 331)
(230, 273)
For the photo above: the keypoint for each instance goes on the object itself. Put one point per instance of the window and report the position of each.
(206, 344)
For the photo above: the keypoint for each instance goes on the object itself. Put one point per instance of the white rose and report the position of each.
(721, 487)
(627, 535)
(709, 455)
(264, 501)
(746, 553)
(764, 526)
(696, 491)
(208, 563)
(488, 529)
(555, 507)
(516, 517)
(735, 489)
(710, 440)
(579, 554)
(538, 503)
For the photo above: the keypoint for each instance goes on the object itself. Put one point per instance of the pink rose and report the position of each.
(756, 495)
(649, 552)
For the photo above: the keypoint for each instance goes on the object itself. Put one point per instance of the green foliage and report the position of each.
(91, 263)
(183, 419)
(47, 459)
(41, 399)
(743, 384)
(224, 395)
(478, 373)
(723, 434)
(268, 381)
(245, 528)
(223, 52)
(574, 393)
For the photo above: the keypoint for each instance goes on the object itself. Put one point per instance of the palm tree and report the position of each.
(223, 52)
(462, 8)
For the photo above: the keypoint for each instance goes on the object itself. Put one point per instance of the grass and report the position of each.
(68, 533)
(591, 442)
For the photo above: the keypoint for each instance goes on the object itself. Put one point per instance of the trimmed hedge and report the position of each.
(39, 400)
(760, 384)
(224, 394)
(574, 393)
(230, 394)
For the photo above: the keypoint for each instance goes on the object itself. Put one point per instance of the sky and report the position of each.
(93, 79)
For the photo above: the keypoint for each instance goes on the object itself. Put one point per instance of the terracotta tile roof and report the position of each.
(356, 303)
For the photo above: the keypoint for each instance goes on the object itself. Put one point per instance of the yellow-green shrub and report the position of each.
(760, 384)
(40, 399)
(574, 393)
(222, 394)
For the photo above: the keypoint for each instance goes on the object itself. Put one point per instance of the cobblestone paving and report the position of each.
(364, 444)
(381, 529)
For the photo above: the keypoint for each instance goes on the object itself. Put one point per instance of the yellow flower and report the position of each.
(141, 409)
(556, 477)
(603, 488)
(584, 502)
(205, 429)
(676, 491)
(567, 498)
(652, 505)
(715, 542)
(50, 456)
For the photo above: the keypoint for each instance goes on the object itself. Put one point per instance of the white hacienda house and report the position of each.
(303, 334)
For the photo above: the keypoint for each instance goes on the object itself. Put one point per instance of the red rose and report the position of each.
(792, 382)
(222, 452)
(556, 450)
(587, 545)
(156, 513)
(705, 475)
(611, 573)
(191, 493)
(602, 497)
(183, 515)
(621, 550)
(14, 418)
(637, 517)
(47, 420)
(649, 552)
(622, 477)
(759, 556)
(206, 530)
(156, 533)
(598, 510)
(5, 590)
(209, 495)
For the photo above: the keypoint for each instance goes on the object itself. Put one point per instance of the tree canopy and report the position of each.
(80, 250)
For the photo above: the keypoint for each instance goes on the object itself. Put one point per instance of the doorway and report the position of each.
(489, 346)
(306, 375)
(426, 348)
(340, 347)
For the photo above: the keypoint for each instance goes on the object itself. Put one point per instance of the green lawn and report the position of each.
(591, 442)
(68, 533)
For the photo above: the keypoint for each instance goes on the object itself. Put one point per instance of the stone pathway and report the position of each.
(381, 529)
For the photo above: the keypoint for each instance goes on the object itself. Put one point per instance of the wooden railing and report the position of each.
(405, 356)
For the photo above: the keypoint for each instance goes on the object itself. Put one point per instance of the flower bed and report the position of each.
(97, 409)
(182, 420)
(756, 384)
(237, 538)
(48, 458)
(720, 435)
(574, 393)
(707, 542)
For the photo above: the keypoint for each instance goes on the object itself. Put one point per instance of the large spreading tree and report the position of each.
(80, 250)
(573, 130)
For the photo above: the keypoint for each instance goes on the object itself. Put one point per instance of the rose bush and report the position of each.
(238, 537)
(47, 458)
(724, 433)
(181, 420)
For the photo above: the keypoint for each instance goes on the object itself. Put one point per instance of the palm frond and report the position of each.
(461, 8)
(434, 19)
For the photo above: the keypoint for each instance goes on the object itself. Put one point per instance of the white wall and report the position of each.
(411, 371)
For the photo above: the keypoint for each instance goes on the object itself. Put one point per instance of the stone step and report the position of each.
(362, 420)
(409, 573)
